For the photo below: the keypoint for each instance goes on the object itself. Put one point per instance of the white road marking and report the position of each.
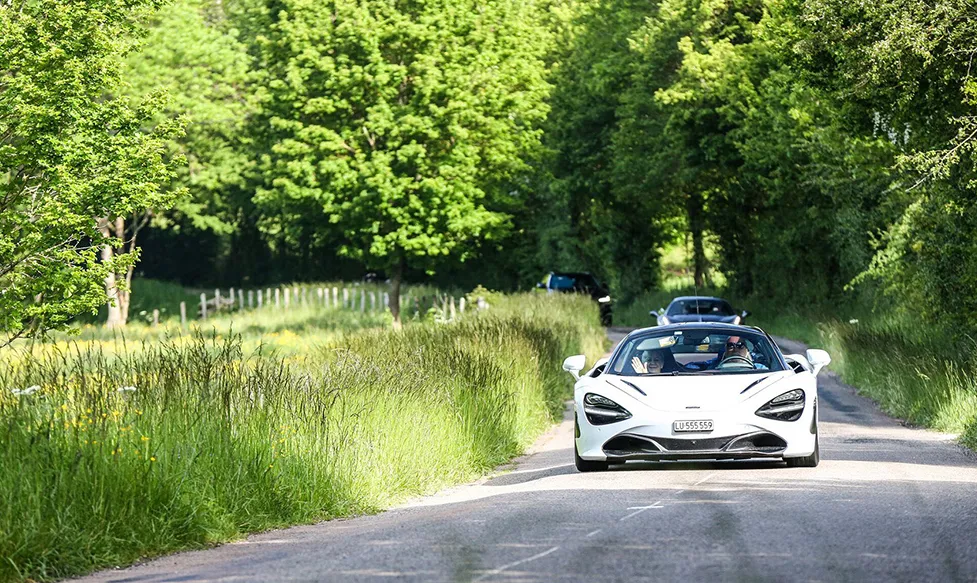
(590, 534)
(704, 479)
(513, 564)
(641, 509)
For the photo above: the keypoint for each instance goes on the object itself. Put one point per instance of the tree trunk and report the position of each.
(695, 212)
(395, 281)
(115, 318)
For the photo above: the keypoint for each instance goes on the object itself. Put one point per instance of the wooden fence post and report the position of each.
(386, 302)
(260, 303)
(345, 297)
(452, 308)
(250, 298)
(278, 303)
(217, 301)
(240, 299)
(461, 304)
(373, 301)
(319, 292)
(288, 293)
(362, 300)
(183, 314)
(155, 318)
(335, 297)
(203, 306)
(230, 307)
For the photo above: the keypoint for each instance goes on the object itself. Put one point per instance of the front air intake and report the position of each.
(629, 445)
(758, 442)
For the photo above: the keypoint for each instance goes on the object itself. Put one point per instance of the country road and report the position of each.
(887, 503)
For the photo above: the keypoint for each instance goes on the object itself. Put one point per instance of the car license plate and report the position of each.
(700, 426)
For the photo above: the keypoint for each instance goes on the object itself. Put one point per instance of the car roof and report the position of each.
(717, 326)
(710, 298)
(572, 273)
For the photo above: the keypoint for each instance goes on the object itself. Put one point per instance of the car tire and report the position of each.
(588, 465)
(808, 461)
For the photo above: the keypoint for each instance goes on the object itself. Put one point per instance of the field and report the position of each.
(118, 447)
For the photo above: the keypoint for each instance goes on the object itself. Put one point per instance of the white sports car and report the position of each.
(696, 391)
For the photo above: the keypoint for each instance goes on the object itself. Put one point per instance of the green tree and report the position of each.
(71, 153)
(401, 124)
(192, 53)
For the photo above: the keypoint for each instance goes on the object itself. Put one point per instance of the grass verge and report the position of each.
(191, 440)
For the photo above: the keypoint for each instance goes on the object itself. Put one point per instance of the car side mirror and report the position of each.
(818, 359)
(653, 314)
(540, 285)
(744, 314)
(574, 364)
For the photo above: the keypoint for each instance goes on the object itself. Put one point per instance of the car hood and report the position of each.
(697, 392)
(681, 319)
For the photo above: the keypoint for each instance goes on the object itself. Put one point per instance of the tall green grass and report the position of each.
(919, 373)
(182, 442)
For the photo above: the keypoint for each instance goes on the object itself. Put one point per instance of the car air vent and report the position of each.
(760, 442)
(625, 445)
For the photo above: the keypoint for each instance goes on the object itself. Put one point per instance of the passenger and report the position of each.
(650, 361)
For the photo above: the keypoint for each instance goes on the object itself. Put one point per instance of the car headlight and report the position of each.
(601, 410)
(786, 407)
(604, 299)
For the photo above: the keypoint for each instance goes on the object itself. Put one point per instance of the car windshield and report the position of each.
(695, 351)
(700, 307)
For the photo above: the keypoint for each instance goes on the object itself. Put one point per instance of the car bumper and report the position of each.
(651, 438)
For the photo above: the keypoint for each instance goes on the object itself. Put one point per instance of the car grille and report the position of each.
(708, 443)
(641, 447)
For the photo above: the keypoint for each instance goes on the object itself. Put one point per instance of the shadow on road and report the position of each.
(524, 476)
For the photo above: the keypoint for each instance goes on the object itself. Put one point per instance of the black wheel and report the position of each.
(810, 461)
(588, 465)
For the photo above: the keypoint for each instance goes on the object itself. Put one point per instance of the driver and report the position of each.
(735, 346)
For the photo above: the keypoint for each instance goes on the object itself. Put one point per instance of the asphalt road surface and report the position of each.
(887, 503)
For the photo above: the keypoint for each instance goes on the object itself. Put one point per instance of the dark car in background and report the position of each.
(698, 309)
(583, 283)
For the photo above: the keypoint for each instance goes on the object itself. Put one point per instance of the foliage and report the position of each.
(192, 52)
(70, 151)
(398, 124)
